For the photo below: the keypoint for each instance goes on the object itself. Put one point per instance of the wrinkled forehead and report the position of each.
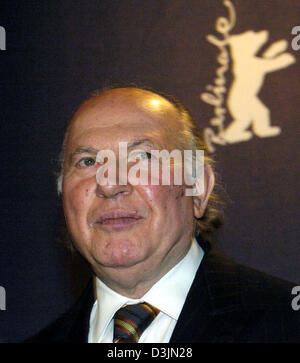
(122, 108)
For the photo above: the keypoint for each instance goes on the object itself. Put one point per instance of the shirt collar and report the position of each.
(168, 294)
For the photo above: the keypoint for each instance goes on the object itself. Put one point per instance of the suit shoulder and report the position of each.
(51, 333)
(249, 305)
(71, 326)
(266, 302)
(236, 286)
(260, 290)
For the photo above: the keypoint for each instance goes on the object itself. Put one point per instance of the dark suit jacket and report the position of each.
(226, 303)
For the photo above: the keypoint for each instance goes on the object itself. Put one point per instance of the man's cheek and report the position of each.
(78, 189)
(153, 192)
(164, 194)
(75, 202)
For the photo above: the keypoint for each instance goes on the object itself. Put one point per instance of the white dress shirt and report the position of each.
(168, 295)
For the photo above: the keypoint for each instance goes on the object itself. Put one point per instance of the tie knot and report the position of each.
(131, 321)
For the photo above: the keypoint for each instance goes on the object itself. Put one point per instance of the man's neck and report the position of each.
(134, 284)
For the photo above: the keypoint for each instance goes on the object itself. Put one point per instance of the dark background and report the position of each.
(60, 51)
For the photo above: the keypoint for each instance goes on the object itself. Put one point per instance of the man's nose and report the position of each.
(113, 191)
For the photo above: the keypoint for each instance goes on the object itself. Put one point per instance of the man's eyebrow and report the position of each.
(139, 142)
(83, 150)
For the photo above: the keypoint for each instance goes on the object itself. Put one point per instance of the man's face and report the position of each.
(124, 231)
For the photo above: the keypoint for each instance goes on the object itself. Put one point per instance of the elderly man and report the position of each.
(157, 278)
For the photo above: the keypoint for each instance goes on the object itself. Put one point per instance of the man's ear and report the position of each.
(200, 201)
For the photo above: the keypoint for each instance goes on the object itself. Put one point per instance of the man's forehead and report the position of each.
(125, 106)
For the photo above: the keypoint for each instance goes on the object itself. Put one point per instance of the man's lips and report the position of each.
(121, 220)
(118, 219)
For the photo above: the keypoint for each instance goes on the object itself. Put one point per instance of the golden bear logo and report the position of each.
(249, 71)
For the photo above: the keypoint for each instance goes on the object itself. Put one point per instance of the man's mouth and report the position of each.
(118, 220)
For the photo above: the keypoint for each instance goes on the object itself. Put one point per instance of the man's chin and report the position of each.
(120, 255)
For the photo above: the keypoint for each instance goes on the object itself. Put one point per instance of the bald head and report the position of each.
(125, 107)
(121, 98)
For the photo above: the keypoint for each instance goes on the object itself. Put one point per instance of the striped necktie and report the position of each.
(131, 321)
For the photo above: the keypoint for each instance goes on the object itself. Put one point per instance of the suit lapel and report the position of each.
(213, 296)
(78, 333)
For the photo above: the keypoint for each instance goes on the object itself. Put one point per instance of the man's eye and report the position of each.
(86, 162)
(143, 155)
